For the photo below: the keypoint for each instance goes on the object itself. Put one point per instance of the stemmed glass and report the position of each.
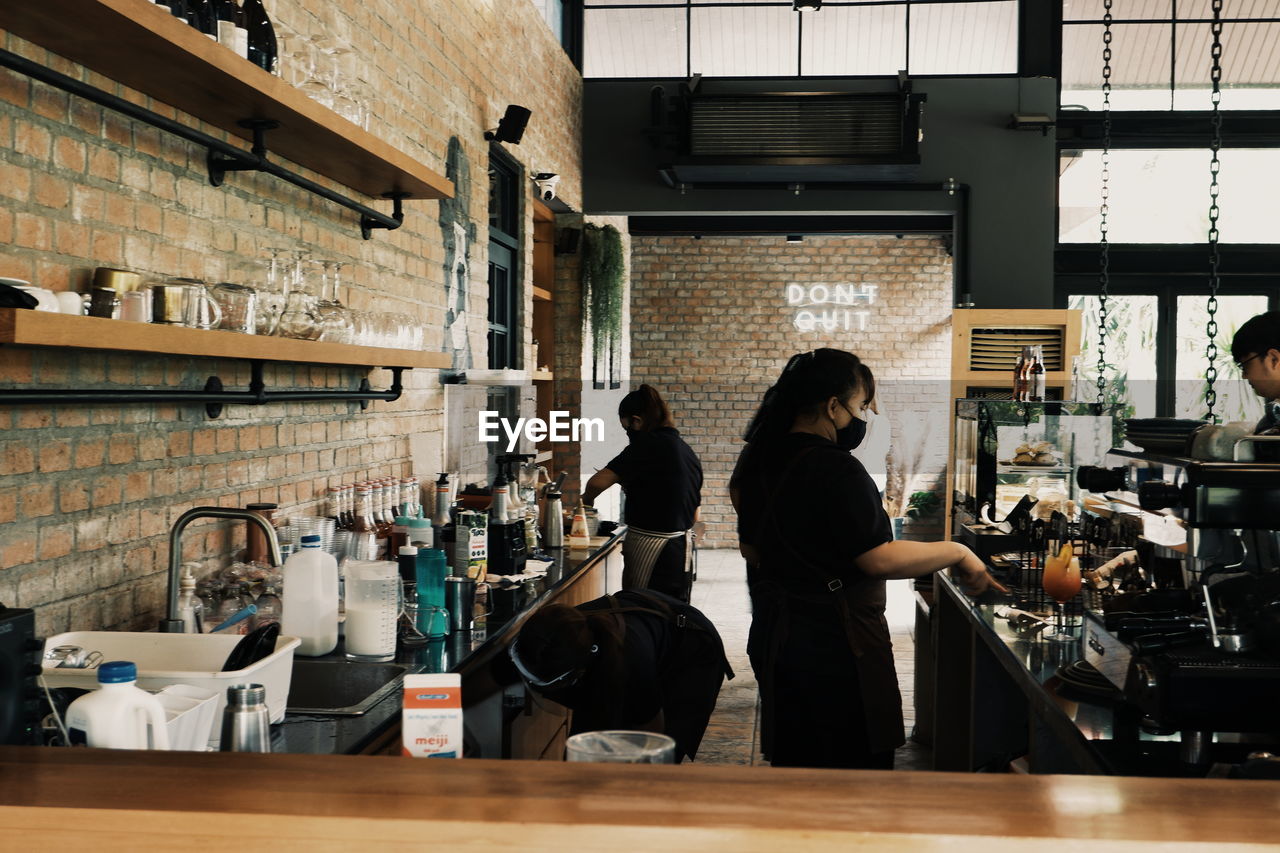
(271, 295)
(299, 319)
(1061, 583)
(335, 318)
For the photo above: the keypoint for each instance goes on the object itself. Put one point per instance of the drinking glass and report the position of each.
(1061, 583)
(299, 319)
(335, 318)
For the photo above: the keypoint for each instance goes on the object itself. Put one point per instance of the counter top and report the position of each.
(130, 800)
(329, 734)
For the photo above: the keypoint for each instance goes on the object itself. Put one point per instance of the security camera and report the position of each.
(546, 182)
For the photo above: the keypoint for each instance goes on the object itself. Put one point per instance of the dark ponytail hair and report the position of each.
(808, 381)
(648, 405)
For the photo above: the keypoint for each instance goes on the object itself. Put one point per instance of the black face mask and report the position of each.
(849, 437)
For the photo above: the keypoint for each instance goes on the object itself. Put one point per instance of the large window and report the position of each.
(1160, 54)
(1156, 351)
(768, 38)
(1162, 195)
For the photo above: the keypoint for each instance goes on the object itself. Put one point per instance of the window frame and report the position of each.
(1164, 281)
(1023, 57)
(502, 166)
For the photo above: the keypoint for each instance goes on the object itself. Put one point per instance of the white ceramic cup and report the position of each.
(45, 298)
(70, 302)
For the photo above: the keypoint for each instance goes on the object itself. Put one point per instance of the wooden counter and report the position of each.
(80, 799)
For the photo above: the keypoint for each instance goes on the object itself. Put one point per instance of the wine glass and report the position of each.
(1061, 583)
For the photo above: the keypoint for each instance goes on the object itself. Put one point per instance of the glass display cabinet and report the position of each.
(1004, 450)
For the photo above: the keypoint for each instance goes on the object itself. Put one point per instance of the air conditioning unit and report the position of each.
(796, 137)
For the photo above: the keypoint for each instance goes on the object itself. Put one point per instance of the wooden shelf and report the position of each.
(47, 329)
(542, 376)
(144, 47)
(541, 294)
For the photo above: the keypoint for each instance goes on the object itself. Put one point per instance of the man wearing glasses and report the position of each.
(1256, 350)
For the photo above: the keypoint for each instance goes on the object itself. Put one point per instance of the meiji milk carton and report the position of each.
(432, 721)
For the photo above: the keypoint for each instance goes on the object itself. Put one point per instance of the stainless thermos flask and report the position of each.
(246, 722)
(553, 534)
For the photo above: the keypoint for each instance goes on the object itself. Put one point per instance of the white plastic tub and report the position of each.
(164, 659)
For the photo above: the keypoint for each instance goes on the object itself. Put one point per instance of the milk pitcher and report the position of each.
(375, 598)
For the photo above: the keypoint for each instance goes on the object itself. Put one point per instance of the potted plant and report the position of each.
(903, 467)
(603, 283)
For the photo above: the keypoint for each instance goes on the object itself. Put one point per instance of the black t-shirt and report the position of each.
(827, 510)
(662, 478)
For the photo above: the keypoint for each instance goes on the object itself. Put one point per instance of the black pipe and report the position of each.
(963, 296)
(247, 159)
(257, 395)
(247, 398)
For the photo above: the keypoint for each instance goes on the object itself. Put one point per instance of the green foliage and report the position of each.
(603, 276)
(922, 504)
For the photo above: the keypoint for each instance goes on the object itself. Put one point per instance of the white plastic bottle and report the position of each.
(311, 599)
(118, 715)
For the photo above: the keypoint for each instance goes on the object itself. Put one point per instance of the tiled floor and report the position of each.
(732, 737)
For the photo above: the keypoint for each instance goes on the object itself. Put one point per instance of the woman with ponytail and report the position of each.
(819, 548)
(661, 477)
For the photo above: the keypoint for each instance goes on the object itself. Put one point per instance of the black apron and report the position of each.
(838, 640)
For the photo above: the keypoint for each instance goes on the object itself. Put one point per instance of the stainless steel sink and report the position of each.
(341, 687)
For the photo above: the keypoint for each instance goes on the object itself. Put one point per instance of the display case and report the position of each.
(1003, 450)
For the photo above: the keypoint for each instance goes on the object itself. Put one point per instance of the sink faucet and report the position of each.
(172, 623)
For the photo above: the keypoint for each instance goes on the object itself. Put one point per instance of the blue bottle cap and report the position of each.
(311, 540)
(117, 672)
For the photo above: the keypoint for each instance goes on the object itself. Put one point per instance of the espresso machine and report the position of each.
(1189, 627)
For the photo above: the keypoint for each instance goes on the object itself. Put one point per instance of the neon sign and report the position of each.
(831, 307)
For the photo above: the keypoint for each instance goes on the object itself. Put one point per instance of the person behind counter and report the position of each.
(810, 516)
(636, 659)
(1256, 351)
(662, 479)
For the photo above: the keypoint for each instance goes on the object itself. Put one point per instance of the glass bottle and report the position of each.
(332, 499)
(263, 49)
(235, 597)
(365, 527)
(1020, 376)
(1035, 376)
(269, 606)
(386, 520)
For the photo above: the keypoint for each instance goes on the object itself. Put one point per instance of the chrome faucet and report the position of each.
(173, 623)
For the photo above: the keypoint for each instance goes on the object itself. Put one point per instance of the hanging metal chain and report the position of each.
(1104, 272)
(1211, 327)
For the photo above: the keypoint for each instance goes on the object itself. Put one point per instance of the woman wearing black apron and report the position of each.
(820, 548)
(632, 660)
(662, 479)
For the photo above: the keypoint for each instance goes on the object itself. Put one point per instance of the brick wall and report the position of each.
(87, 493)
(711, 329)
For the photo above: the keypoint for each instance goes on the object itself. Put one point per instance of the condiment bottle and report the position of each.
(579, 539)
(1035, 376)
(190, 607)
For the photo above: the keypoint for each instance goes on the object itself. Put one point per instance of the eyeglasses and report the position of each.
(1240, 364)
(565, 679)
